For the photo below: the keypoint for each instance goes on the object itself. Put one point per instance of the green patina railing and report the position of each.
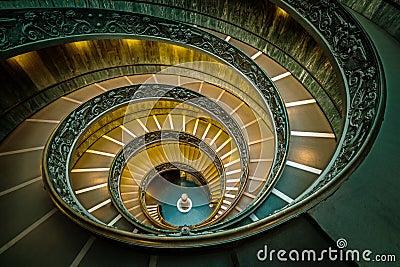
(352, 52)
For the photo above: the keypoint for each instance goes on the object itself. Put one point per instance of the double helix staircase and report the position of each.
(218, 131)
(311, 146)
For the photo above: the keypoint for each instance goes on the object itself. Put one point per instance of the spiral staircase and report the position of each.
(143, 108)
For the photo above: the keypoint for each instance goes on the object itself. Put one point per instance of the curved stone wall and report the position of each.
(269, 29)
(361, 72)
(385, 13)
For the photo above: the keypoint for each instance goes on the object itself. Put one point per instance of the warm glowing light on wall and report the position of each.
(82, 45)
(132, 42)
(281, 12)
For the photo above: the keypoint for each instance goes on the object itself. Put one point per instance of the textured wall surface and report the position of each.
(258, 23)
(40, 77)
(385, 13)
(35, 71)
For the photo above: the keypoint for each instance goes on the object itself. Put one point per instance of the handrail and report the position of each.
(219, 217)
(137, 145)
(115, 121)
(60, 147)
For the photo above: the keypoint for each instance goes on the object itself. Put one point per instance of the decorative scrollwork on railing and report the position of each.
(139, 144)
(357, 59)
(62, 144)
(349, 46)
(39, 25)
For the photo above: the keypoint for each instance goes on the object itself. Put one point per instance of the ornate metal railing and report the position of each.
(208, 43)
(67, 135)
(140, 144)
(352, 52)
(361, 70)
(36, 27)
